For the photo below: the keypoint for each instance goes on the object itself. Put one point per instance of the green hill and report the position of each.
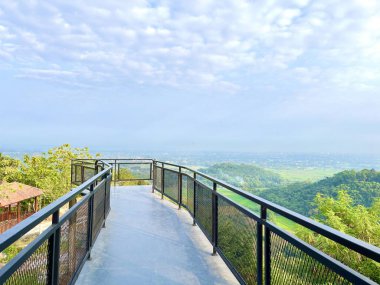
(363, 186)
(245, 176)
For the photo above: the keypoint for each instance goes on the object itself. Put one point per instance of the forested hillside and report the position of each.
(362, 186)
(246, 176)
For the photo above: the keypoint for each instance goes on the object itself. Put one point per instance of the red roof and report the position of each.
(14, 192)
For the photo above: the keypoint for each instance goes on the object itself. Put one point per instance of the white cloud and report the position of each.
(335, 42)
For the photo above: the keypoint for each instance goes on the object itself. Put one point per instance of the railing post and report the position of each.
(115, 176)
(105, 177)
(179, 188)
(214, 218)
(153, 171)
(195, 197)
(54, 247)
(82, 173)
(259, 246)
(71, 173)
(267, 269)
(162, 181)
(90, 220)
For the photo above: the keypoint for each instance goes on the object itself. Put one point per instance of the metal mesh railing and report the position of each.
(237, 240)
(73, 244)
(190, 194)
(99, 209)
(171, 184)
(290, 265)
(133, 171)
(34, 270)
(203, 208)
(157, 180)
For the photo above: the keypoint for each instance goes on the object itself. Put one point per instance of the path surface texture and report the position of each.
(149, 241)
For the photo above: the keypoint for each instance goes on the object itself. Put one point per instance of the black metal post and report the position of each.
(267, 260)
(153, 171)
(115, 176)
(90, 220)
(54, 247)
(214, 218)
(179, 188)
(195, 197)
(259, 246)
(162, 181)
(82, 173)
(105, 200)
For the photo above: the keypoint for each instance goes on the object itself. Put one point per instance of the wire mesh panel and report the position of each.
(98, 214)
(34, 270)
(171, 184)
(131, 171)
(203, 210)
(73, 245)
(291, 265)
(190, 195)
(157, 178)
(237, 237)
(78, 174)
(184, 190)
(88, 173)
(108, 194)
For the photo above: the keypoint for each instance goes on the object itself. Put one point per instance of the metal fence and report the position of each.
(256, 250)
(57, 255)
(123, 170)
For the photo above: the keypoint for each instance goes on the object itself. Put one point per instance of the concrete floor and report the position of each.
(148, 241)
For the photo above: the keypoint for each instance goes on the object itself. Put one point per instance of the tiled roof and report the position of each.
(11, 193)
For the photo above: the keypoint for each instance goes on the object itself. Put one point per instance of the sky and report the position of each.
(202, 75)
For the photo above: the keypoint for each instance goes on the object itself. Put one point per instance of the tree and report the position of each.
(9, 168)
(355, 220)
(51, 171)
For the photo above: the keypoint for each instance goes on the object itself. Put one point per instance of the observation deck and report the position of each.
(178, 226)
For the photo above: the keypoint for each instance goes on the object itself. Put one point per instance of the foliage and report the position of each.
(9, 168)
(246, 176)
(49, 171)
(355, 220)
(363, 186)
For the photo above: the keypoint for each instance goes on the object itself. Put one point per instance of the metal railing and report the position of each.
(57, 255)
(255, 249)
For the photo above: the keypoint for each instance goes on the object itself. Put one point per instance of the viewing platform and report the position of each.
(149, 241)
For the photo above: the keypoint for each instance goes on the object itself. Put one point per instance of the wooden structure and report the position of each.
(17, 202)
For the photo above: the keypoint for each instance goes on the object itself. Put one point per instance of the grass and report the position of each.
(310, 174)
(280, 221)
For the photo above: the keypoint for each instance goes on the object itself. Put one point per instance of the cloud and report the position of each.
(199, 43)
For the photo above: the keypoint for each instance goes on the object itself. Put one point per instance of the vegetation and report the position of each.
(363, 186)
(50, 171)
(355, 220)
(246, 176)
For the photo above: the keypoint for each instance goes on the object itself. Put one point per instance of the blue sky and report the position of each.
(234, 75)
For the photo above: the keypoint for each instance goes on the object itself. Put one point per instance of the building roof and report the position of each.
(14, 192)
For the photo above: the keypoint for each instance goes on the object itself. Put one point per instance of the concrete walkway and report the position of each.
(148, 241)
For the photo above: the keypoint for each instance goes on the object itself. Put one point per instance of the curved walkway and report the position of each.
(148, 241)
